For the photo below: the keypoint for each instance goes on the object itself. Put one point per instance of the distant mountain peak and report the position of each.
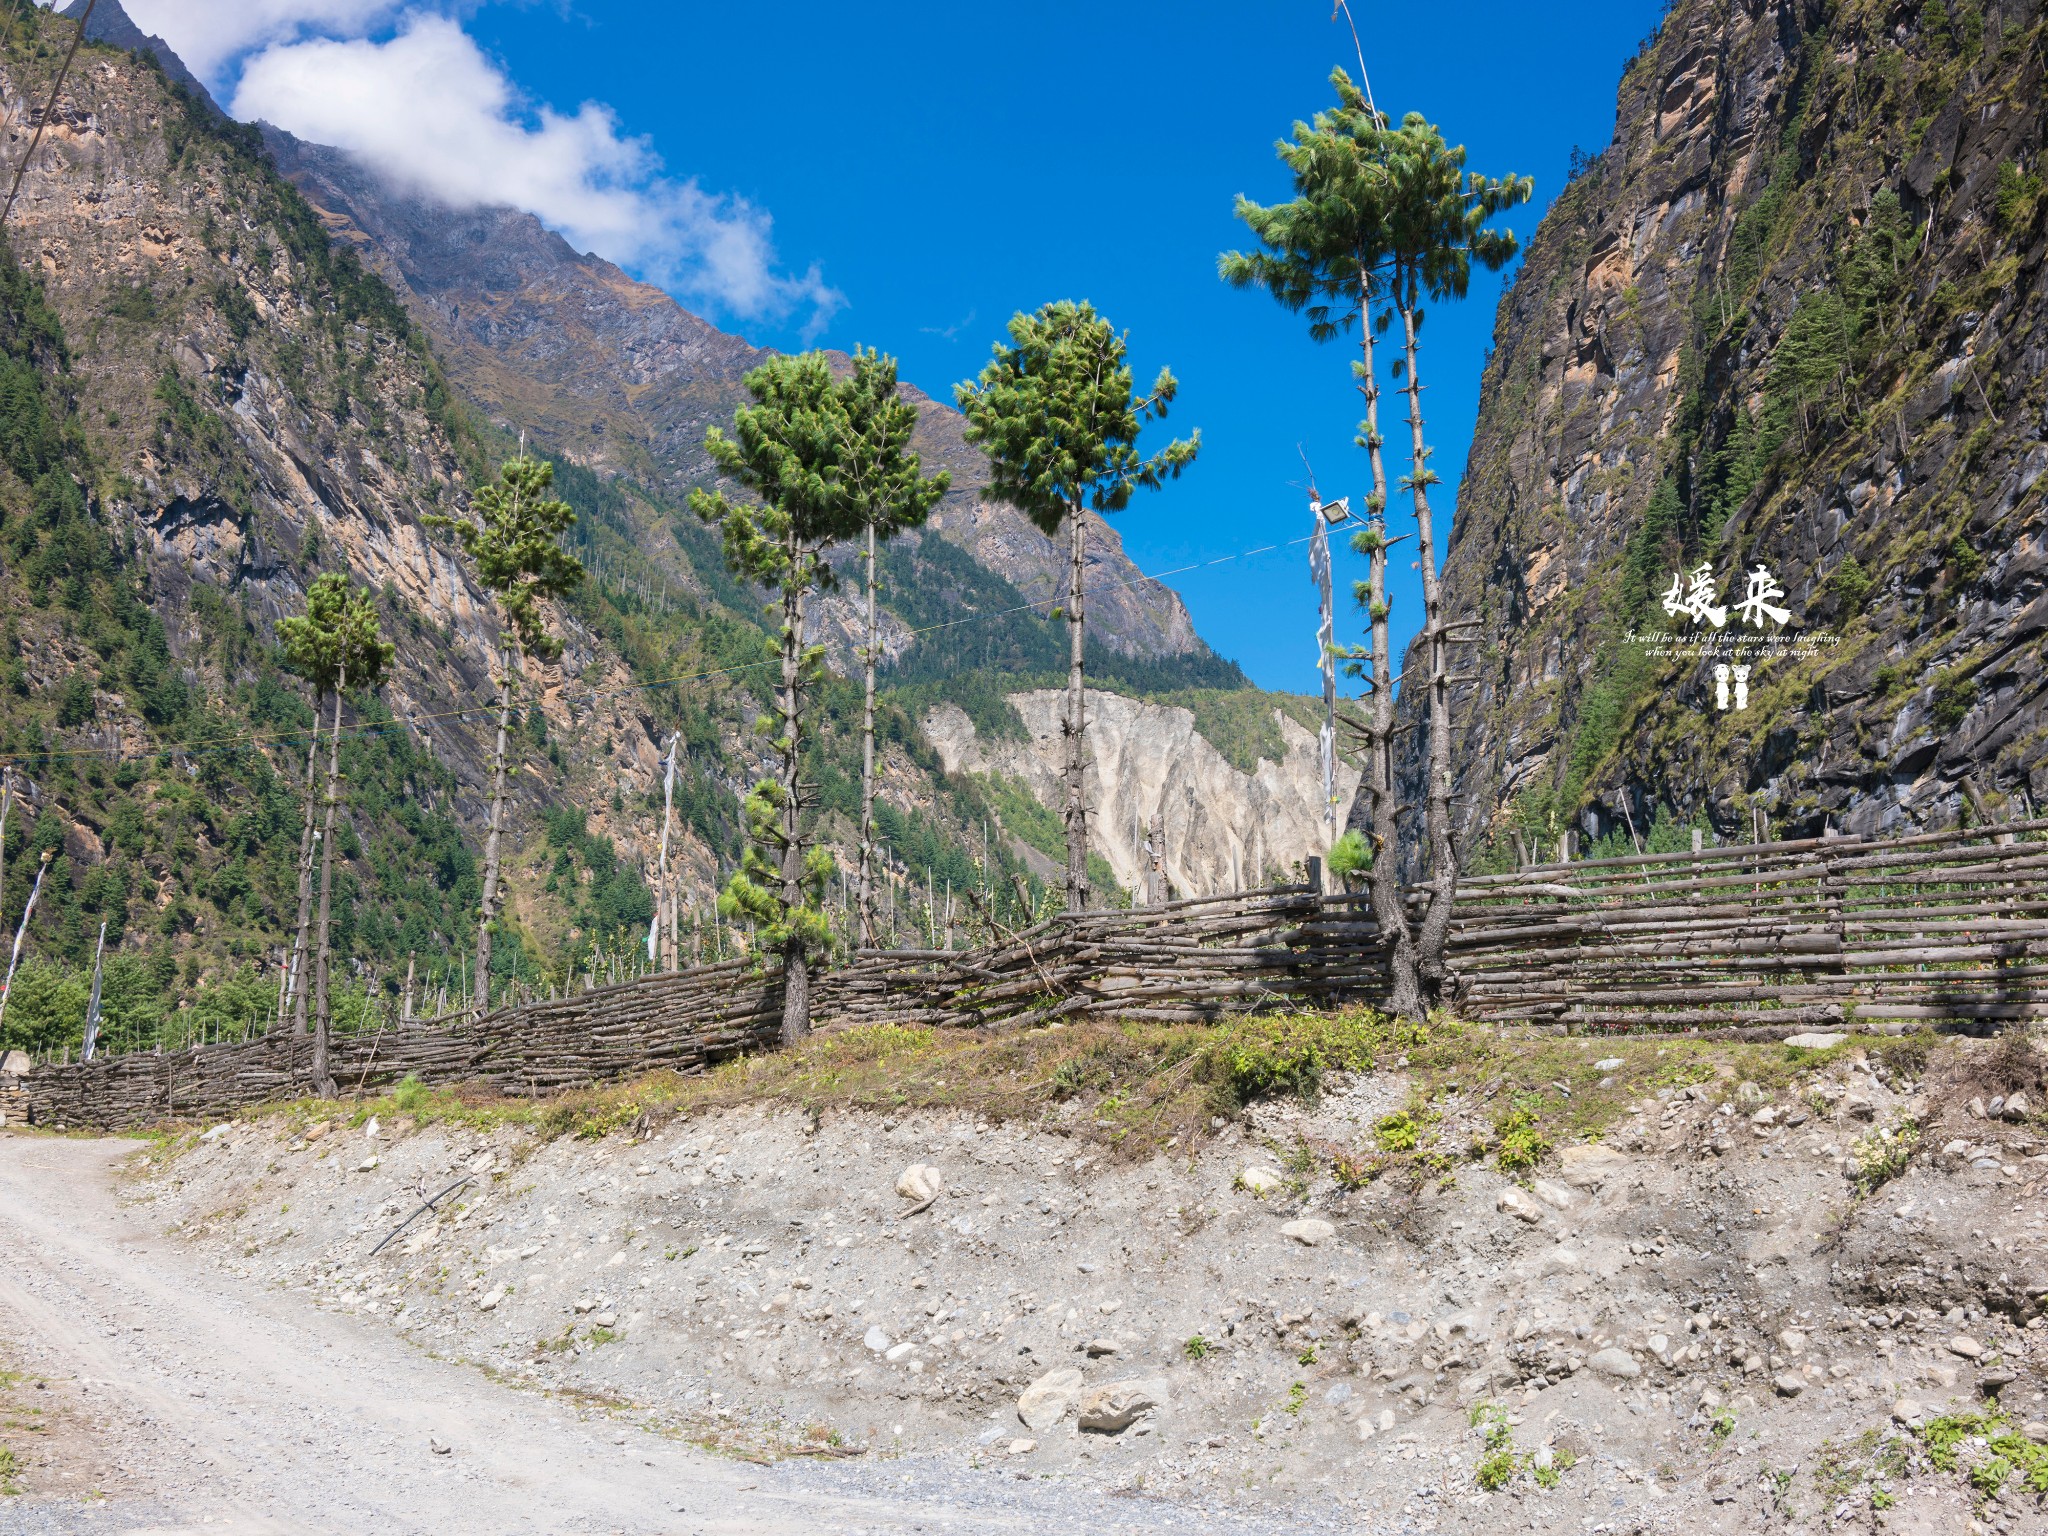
(112, 25)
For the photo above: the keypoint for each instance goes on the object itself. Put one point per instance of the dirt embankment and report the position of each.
(1766, 1294)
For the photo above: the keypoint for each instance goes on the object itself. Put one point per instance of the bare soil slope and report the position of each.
(1764, 1298)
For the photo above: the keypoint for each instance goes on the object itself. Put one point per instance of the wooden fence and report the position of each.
(1945, 927)
(1768, 939)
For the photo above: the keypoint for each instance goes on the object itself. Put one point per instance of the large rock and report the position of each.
(1518, 1203)
(1115, 1406)
(920, 1182)
(1617, 1363)
(1261, 1181)
(1309, 1231)
(1589, 1166)
(1046, 1401)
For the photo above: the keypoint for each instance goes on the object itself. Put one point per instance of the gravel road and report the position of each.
(218, 1406)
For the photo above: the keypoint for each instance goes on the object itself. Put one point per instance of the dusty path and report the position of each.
(225, 1408)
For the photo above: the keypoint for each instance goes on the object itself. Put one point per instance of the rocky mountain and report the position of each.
(619, 376)
(1225, 827)
(1785, 336)
(211, 393)
(207, 404)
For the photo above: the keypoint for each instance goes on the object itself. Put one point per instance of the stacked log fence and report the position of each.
(1841, 932)
(1878, 934)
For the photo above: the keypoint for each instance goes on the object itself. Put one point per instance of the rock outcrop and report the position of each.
(1791, 321)
(1225, 829)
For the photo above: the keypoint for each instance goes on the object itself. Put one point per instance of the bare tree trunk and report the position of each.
(1389, 910)
(482, 998)
(1434, 938)
(1075, 725)
(796, 966)
(291, 994)
(323, 1079)
(867, 764)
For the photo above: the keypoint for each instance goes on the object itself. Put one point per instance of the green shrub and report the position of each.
(1965, 564)
(1290, 1053)
(1955, 695)
(1349, 857)
(411, 1095)
(1851, 584)
(1518, 1144)
(1397, 1132)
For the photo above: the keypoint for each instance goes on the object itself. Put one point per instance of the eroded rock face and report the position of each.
(1222, 826)
(1642, 406)
(263, 415)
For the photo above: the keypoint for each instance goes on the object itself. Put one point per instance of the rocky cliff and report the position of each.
(1785, 335)
(206, 404)
(1226, 828)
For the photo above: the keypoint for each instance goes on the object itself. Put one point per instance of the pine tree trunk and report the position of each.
(492, 844)
(291, 997)
(867, 763)
(1389, 910)
(1434, 938)
(323, 1079)
(796, 971)
(1075, 725)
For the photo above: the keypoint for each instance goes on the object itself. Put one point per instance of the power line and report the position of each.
(62, 70)
(411, 722)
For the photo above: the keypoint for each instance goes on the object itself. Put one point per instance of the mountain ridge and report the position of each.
(618, 375)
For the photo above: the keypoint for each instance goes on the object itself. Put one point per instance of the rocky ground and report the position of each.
(1767, 1295)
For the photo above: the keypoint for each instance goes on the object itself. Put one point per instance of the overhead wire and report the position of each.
(415, 722)
(56, 86)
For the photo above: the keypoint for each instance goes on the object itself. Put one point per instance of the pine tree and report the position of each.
(1326, 253)
(788, 449)
(886, 488)
(1057, 416)
(335, 643)
(516, 542)
(1437, 212)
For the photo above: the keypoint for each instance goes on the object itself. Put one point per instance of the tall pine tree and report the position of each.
(885, 487)
(516, 542)
(1437, 213)
(335, 644)
(1326, 253)
(1057, 415)
(788, 449)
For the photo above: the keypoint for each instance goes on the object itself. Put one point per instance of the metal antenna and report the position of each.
(1364, 80)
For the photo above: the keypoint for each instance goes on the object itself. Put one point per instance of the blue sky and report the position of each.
(907, 176)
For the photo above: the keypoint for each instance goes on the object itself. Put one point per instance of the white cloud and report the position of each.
(428, 111)
(210, 34)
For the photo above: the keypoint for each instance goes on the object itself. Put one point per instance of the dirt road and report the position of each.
(217, 1406)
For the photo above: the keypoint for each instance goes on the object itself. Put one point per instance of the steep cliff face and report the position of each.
(1789, 324)
(223, 406)
(621, 377)
(1226, 828)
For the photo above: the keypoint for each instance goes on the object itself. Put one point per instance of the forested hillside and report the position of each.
(216, 390)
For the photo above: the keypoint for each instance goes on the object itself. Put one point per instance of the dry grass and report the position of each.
(1139, 1088)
